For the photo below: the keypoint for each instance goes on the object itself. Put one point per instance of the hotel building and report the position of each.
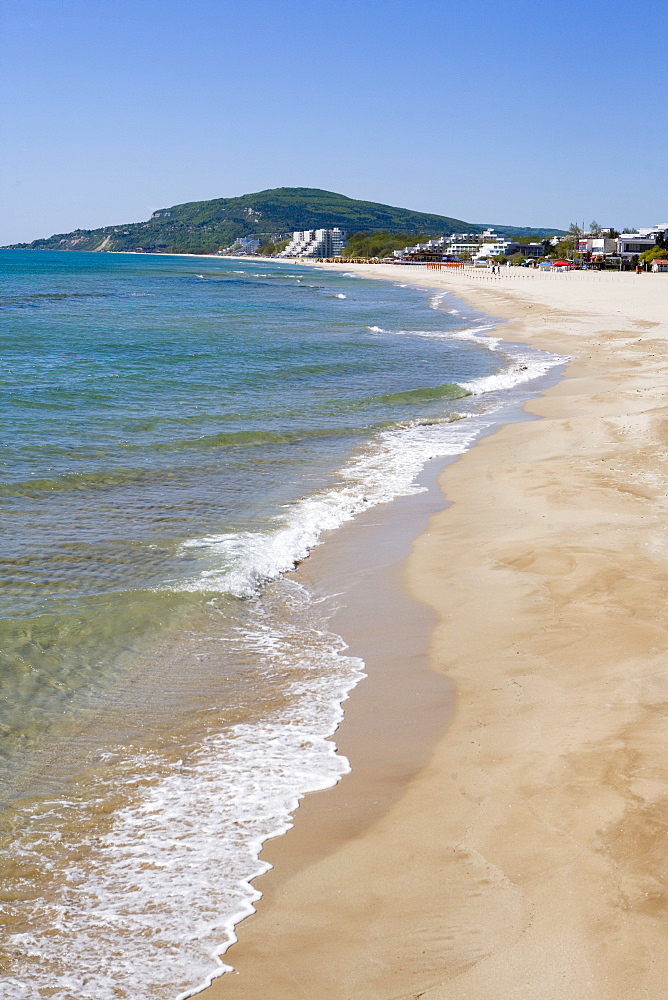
(476, 245)
(316, 243)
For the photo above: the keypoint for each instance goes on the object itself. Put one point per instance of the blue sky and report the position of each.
(523, 112)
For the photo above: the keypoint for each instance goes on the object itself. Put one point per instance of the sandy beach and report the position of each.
(521, 854)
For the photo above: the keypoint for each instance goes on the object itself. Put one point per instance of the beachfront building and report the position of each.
(497, 246)
(597, 246)
(464, 245)
(243, 246)
(474, 245)
(630, 244)
(494, 245)
(316, 243)
(530, 250)
(432, 248)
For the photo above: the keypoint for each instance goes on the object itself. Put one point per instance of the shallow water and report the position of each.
(177, 435)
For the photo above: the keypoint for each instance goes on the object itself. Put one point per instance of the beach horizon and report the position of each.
(523, 857)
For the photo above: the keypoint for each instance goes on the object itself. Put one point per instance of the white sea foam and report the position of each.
(340, 295)
(436, 301)
(474, 334)
(525, 366)
(184, 838)
(386, 469)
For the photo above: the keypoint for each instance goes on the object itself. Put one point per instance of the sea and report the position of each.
(177, 434)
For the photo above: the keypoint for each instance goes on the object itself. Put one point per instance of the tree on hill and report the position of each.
(379, 243)
(269, 249)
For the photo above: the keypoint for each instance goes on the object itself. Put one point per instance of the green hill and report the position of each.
(207, 226)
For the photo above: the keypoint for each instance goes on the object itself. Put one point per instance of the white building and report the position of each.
(316, 243)
(464, 245)
(494, 245)
(629, 244)
(244, 245)
(597, 246)
(475, 245)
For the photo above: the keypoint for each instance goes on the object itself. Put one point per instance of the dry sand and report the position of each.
(527, 857)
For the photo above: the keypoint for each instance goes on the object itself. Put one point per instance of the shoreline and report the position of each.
(356, 574)
(526, 857)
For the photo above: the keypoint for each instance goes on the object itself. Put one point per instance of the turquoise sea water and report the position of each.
(176, 434)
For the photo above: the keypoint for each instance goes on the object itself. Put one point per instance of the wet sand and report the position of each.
(521, 853)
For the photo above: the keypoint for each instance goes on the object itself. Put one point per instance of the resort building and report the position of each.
(494, 245)
(474, 245)
(244, 245)
(316, 243)
(464, 245)
(630, 244)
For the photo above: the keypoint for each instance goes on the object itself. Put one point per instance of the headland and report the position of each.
(525, 856)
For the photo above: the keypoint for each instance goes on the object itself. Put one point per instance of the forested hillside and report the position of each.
(208, 226)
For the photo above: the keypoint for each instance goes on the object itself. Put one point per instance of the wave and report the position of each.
(525, 366)
(451, 390)
(388, 468)
(250, 439)
(112, 477)
(185, 826)
(56, 296)
(72, 481)
(473, 334)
